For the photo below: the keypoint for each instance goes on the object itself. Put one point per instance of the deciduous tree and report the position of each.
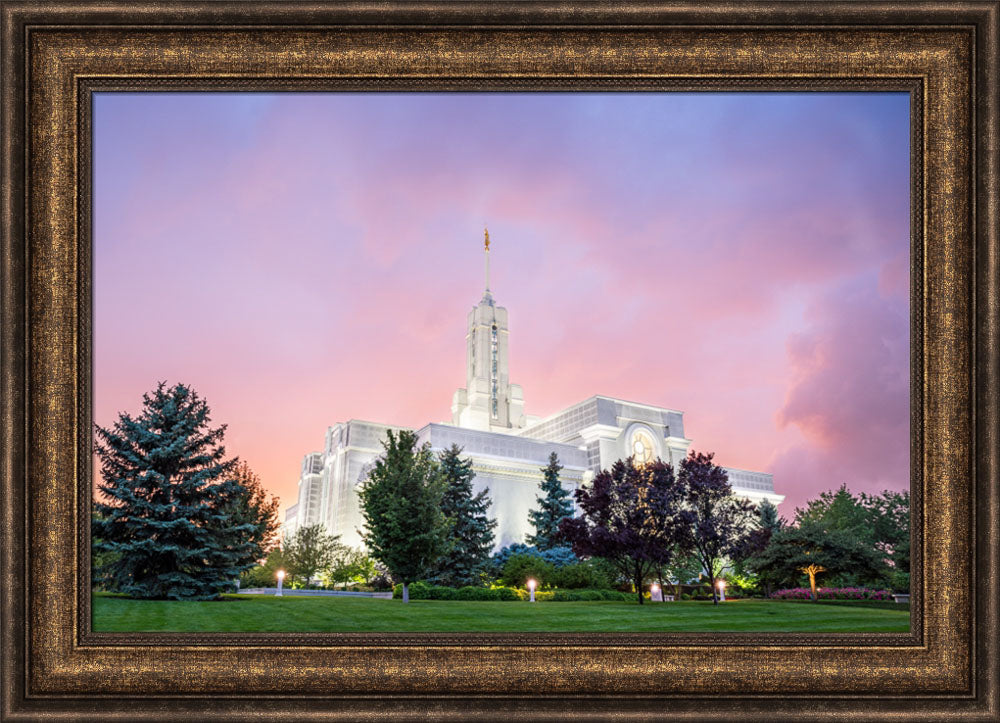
(311, 549)
(795, 547)
(404, 526)
(632, 517)
(888, 518)
(720, 525)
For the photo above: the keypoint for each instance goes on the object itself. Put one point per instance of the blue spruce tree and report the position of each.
(552, 508)
(166, 519)
(471, 536)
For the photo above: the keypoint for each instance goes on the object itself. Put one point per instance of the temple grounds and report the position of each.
(257, 613)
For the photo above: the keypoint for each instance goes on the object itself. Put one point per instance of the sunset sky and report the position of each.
(305, 259)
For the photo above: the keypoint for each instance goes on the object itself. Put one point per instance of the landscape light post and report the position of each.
(531, 589)
(281, 579)
(654, 593)
(722, 590)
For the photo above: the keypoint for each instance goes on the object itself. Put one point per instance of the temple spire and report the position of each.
(486, 246)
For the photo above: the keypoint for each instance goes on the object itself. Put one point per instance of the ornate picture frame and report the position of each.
(56, 55)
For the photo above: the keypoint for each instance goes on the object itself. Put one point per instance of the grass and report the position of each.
(267, 613)
(882, 604)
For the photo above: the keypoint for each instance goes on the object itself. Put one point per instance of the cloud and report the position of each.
(849, 394)
(305, 259)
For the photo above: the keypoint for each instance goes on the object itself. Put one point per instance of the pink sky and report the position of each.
(304, 259)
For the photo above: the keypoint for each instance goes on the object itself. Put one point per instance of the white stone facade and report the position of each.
(507, 448)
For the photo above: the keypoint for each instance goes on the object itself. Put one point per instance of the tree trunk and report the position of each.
(406, 592)
(638, 587)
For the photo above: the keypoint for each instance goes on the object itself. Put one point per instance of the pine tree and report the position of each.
(768, 518)
(405, 528)
(170, 492)
(552, 508)
(256, 507)
(471, 537)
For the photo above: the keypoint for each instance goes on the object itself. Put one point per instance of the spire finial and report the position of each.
(486, 245)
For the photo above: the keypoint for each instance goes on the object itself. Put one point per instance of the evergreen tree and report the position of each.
(400, 499)
(254, 506)
(471, 535)
(168, 491)
(756, 541)
(554, 507)
(767, 517)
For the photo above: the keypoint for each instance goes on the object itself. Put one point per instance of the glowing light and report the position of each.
(281, 574)
(531, 584)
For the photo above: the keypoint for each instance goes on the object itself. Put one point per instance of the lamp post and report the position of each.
(722, 590)
(531, 589)
(281, 579)
(654, 593)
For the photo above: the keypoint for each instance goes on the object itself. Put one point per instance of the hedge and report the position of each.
(424, 591)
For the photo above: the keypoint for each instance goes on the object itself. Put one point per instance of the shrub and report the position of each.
(556, 556)
(519, 568)
(439, 592)
(900, 581)
(471, 592)
(424, 591)
(540, 595)
(576, 595)
(581, 575)
(258, 576)
(589, 596)
(506, 593)
(418, 591)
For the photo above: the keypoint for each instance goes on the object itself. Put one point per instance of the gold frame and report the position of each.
(55, 55)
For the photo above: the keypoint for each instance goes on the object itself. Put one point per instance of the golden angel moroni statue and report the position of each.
(486, 233)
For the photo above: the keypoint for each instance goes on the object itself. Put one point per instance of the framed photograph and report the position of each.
(788, 210)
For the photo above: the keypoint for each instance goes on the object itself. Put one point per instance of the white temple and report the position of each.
(507, 448)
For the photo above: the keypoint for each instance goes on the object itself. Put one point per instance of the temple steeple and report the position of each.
(487, 296)
(489, 401)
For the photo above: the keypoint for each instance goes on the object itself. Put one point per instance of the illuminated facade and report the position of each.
(507, 447)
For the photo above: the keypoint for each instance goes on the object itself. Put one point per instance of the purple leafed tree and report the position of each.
(632, 516)
(720, 526)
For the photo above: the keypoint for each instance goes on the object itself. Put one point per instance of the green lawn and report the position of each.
(260, 613)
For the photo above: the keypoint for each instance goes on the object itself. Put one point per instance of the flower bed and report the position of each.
(833, 593)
